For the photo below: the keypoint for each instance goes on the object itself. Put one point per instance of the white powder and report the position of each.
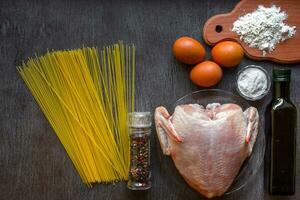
(253, 83)
(264, 28)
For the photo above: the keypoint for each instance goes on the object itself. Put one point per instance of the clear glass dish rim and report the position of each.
(208, 90)
(255, 171)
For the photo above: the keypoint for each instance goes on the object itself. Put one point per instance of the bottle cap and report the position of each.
(139, 119)
(280, 74)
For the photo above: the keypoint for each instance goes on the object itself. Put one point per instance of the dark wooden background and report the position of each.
(33, 164)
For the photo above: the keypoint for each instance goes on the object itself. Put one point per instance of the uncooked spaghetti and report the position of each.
(86, 95)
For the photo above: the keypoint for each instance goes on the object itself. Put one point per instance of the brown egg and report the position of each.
(206, 74)
(227, 53)
(188, 50)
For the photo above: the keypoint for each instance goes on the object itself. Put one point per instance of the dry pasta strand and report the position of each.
(85, 94)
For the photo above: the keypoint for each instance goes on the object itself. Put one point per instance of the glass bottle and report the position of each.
(139, 124)
(283, 118)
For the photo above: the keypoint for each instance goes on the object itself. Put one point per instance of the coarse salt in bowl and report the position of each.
(253, 82)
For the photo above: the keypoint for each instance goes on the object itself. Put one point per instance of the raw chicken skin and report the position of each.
(208, 146)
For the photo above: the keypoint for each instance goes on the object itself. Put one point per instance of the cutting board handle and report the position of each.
(219, 28)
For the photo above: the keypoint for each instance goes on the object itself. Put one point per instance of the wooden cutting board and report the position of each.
(218, 28)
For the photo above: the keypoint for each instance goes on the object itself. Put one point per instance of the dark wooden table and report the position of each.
(33, 163)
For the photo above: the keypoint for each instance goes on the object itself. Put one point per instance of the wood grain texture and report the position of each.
(285, 52)
(33, 163)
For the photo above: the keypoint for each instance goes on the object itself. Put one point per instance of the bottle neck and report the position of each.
(282, 90)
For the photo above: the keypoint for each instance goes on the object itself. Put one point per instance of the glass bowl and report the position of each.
(264, 93)
(250, 166)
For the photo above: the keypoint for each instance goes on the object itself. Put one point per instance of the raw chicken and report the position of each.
(208, 146)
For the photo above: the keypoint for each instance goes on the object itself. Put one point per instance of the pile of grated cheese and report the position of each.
(264, 28)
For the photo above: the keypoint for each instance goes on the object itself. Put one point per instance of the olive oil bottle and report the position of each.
(283, 122)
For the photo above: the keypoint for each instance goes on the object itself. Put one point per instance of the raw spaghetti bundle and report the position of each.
(86, 95)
